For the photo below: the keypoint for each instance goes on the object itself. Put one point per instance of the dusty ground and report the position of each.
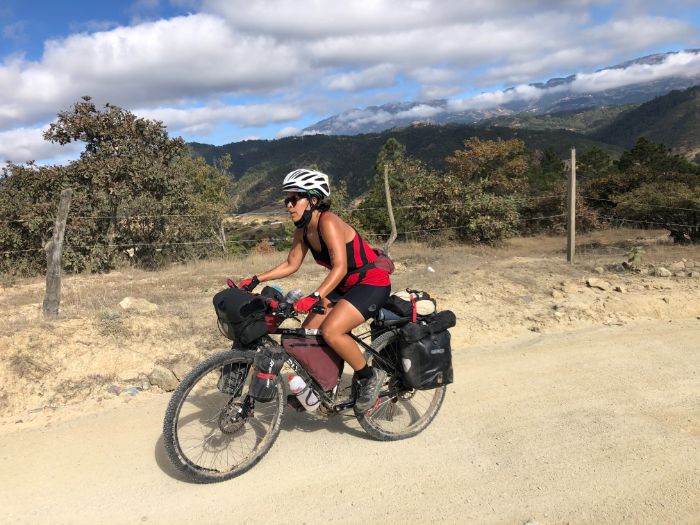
(591, 415)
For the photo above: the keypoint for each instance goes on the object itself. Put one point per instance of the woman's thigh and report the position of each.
(342, 318)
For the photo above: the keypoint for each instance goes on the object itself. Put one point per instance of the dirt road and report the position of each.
(601, 425)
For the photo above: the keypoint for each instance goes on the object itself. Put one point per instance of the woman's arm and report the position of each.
(293, 262)
(332, 233)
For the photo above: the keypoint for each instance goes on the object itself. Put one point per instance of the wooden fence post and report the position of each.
(54, 252)
(390, 211)
(571, 211)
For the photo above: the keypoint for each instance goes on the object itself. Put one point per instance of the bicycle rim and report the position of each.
(206, 433)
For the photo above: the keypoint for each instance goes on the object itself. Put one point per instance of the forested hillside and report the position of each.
(672, 120)
(259, 165)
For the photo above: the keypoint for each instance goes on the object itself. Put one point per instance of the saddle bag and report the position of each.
(266, 368)
(241, 315)
(317, 358)
(426, 355)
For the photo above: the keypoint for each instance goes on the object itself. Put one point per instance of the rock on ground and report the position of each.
(137, 305)
(593, 282)
(163, 378)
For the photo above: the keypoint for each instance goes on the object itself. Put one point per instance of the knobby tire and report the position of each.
(194, 467)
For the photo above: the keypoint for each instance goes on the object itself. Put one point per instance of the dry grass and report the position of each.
(496, 293)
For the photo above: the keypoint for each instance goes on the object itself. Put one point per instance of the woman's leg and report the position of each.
(335, 328)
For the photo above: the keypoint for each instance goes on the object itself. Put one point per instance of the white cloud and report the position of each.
(25, 144)
(250, 64)
(373, 77)
(679, 64)
(438, 92)
(201, 120)
(289, 131)
(154, 62)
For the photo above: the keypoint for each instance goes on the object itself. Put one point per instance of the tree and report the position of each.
(138, 196)
(501, 165)
(651, 186)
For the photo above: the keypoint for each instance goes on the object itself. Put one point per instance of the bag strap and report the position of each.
(414, 310)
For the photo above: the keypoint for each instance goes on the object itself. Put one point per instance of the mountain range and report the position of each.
(554, 95)
(258, 166)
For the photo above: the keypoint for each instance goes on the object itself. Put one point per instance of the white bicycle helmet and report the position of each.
(307, 181)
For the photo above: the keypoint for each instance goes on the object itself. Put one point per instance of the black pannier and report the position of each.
(241, 315)
(426, 356)
(266, 368)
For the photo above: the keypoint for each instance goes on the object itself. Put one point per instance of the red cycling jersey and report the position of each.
(360, 257)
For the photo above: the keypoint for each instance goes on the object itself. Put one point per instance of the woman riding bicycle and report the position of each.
(352, 291)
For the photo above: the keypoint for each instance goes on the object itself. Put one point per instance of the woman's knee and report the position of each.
(332, 332)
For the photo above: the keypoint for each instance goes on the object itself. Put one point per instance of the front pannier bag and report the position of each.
(241, 315)
(426, 356)
(266, 368)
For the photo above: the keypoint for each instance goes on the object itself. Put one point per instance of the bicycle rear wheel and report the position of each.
(405, 414)
(211, 436)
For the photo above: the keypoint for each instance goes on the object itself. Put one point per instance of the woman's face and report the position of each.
(296, 204)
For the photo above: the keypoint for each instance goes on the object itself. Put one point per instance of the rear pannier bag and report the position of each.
(426, 355)
(266, 368)
(317, 358)
(241, 315)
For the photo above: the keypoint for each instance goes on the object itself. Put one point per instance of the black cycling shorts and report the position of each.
(366, 298)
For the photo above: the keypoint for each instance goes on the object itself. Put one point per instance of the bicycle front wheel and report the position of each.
(406, 413)
(213, 436)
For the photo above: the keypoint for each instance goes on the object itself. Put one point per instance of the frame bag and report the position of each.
(241, 315)
(426, 355)
(317, 358)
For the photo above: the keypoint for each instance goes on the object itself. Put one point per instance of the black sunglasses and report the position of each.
(294, 199)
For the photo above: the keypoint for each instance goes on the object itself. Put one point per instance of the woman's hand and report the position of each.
(305, 304)
(249, 284)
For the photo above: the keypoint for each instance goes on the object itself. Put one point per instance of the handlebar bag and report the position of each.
(266, 368)
(317, 358)
(241, 315)
(426, 354)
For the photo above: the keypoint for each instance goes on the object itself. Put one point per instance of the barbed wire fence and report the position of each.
(563, 221)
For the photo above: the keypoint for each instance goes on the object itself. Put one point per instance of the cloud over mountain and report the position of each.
(236, 68)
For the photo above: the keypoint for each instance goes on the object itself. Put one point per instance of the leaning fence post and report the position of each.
(390, 210)
(571, 211)
(54, 251)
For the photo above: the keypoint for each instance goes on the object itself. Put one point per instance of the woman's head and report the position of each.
(306, 190)
(307, 181)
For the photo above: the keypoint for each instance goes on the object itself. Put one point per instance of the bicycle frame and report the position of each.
(329, 399)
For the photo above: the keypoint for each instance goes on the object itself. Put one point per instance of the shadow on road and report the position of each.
(164, 463)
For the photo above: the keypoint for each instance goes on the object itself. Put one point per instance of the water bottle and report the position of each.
(305, 395)
(293, 296)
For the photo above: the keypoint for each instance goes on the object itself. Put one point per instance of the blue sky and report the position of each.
(218, 71)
